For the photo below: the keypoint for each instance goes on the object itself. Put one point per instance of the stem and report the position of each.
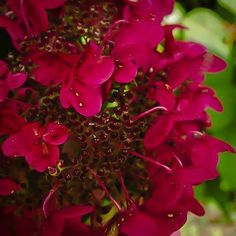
(107, 35)
(128, 199)
(150, 160)
(157, 108)
(103, 186)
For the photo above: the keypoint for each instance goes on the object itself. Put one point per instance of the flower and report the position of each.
(112, 119)
(82, 77)
(191, 96)
(38, 144)
(83, 90)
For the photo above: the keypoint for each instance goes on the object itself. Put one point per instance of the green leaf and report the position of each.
(230, 5)
(227, 172)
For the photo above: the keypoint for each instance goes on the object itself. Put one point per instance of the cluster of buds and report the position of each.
(102, 119)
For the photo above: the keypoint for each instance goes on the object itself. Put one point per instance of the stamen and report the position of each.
(130, 201)
(150, 160)
(157, 108)
(103, 186)
(47, 199)
(107, 35)
(178, 160)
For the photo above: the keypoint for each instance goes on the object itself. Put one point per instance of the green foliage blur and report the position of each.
(213, 23)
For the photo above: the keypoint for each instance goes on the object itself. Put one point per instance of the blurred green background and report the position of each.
(213, 23)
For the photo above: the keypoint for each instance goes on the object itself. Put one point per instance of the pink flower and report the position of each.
(184, 61)
(9, 81)
(190, 105)
(135, 50)
(38, 144)
(82, 77)
(8, 187)
(83, 88)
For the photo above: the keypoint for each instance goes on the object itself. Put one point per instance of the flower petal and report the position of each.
(13, 147)
(87, 100)
(125, 72)
(8, 186)
(57, 134)
(42, 155)
(16, 80)
(158, 131)
(139, 224)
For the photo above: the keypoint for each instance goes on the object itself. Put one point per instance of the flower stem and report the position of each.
(141, 115)
(104, 188)
(150, 160)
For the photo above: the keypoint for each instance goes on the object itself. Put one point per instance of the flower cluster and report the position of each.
(103, 119)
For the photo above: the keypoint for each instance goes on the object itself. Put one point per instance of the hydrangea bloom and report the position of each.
(113, 130)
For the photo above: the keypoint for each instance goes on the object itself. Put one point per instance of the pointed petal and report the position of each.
(214, 63)
(158, 131)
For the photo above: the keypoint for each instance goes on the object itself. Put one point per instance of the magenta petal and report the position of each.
(34, 16)
(57, 134)
(8, 186)
(88, 101)
(13, 146)
(65, 96)
(10, 122)
(158, 131)
(197, 175)
(125, 72)
(52, 3)
(12, 28)
(215, 64)
(52, 68)
(3, 90)
(16, 80)
(96, 72)
(139, 224)
(41, 156)
(163, 94)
